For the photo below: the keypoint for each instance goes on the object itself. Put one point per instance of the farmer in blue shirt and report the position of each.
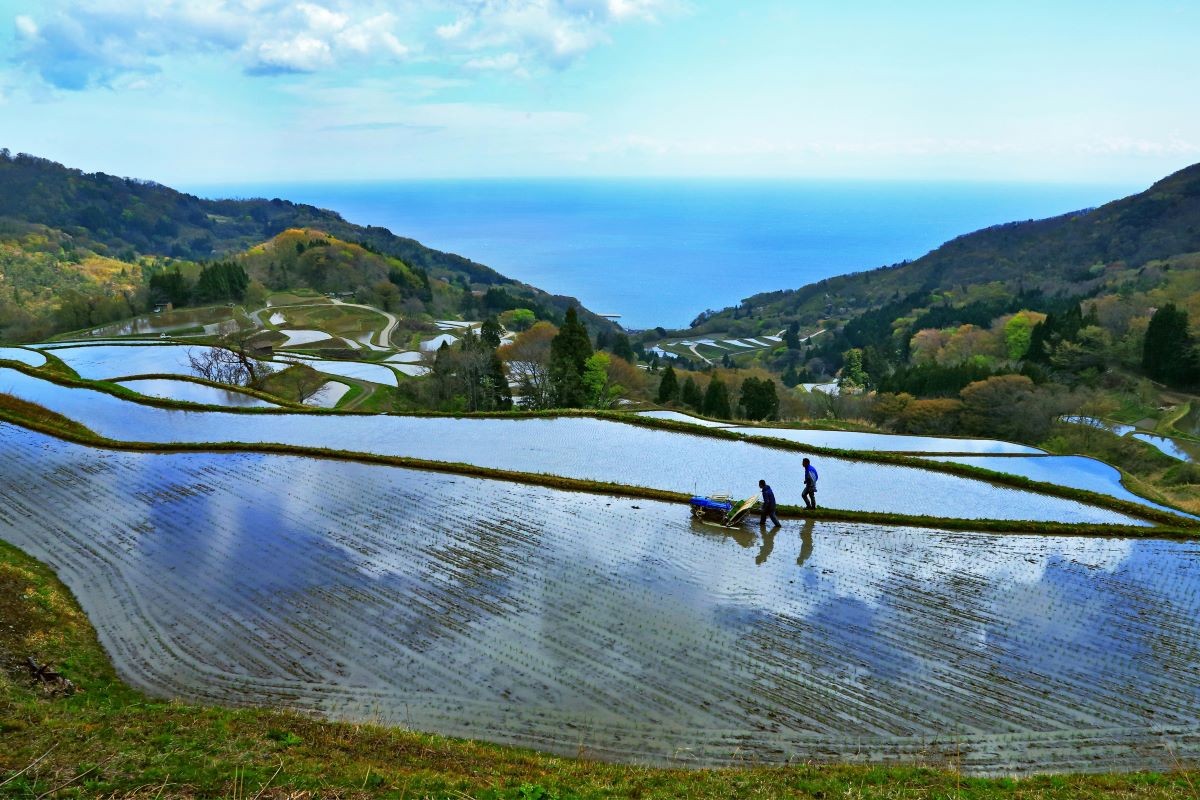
(768, 505)
(810, 485)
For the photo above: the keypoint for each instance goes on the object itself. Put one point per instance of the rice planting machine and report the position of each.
(722, 509)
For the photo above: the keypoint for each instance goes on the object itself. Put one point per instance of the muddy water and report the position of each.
(574, 447)
(617, 628)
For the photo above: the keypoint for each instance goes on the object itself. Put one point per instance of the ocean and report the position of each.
(658, 252)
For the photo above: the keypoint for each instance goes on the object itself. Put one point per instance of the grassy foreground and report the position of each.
(108, 740)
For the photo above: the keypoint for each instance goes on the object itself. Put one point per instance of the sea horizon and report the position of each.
(659, 251)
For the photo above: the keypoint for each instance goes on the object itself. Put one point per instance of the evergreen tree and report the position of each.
(791, 337)
(1168, 354)
(569, 352)
(791, 378)
(489, 334)
(501, 395)
(759, 399)
(716, 399)
(668, 387)
(170, 287)
(853, 374)
(221, 281)
(621, 348)
(691, 396)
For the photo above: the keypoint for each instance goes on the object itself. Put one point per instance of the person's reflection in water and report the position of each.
(806, 542)
(768, 544)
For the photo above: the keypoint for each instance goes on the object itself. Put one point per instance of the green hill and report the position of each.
(1070, 255)
(59, 225)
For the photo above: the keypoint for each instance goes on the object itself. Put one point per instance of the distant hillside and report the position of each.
(127, 220)
(1068, 255)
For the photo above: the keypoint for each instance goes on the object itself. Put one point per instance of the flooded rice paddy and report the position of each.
(1165, 444)
(106, 361)
(375, 373)
(678, 416)
(30, 357)
(855, 440)
(888, 442)
(297, 338)
(608, 627)
(590, 449)
(191, 392)
(1079, 472)
(329, 395)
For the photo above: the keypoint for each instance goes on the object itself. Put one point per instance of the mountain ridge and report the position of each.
(127, 218)
(1050, 255)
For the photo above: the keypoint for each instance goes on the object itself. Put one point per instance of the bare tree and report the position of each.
(527, 359)
(228, 362)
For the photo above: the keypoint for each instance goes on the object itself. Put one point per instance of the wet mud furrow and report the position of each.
(530, 616)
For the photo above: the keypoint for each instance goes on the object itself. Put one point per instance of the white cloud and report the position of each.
(26, 27)
(300, 53)
(77, 44)
(506, 62)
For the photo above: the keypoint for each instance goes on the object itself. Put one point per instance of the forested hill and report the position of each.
(1068, 255)
(123, 219)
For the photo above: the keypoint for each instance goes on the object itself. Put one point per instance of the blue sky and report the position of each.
(206, 91)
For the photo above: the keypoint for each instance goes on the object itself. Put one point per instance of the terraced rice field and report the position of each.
(191, 392)
(30, 357)
(591, 449)
(328, 395)
(677, 416)
(887, 442)
(375, 373)
(106, 361)
(613, 628)
(856, 440)
(1079, 472)
(170, 321)
(1165, 444)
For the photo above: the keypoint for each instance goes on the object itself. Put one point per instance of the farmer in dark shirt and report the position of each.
(768, 505)
(810, 485)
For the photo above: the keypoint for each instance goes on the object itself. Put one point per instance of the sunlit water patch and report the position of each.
(30, 357)
(296, 338)
(329, 395)
(375, 373)
(583, 448)
(1113, 427)
(190, 392)
(887, 442)
(101, 362)
(678, 416)
(1078, 472)
(1165, 444)
(608, 627)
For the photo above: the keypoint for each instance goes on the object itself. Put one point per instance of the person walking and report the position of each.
(810, 485)
(768, 505)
